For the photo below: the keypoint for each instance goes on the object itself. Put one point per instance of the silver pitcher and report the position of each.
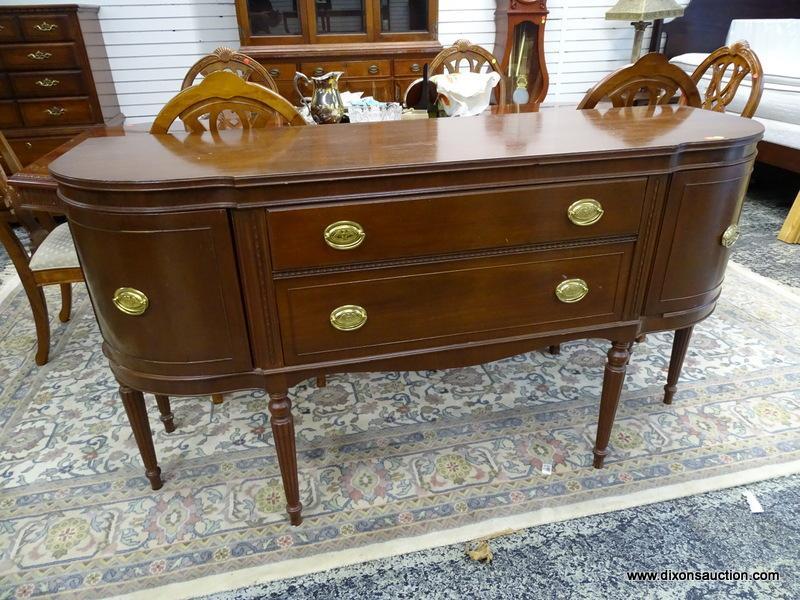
(325, 104)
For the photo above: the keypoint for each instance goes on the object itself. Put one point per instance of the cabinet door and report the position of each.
(382, 90)
(691, 257)
(193, 322)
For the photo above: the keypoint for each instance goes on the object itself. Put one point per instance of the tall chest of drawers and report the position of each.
(48, 91)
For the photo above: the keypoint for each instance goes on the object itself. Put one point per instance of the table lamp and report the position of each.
(640, 13)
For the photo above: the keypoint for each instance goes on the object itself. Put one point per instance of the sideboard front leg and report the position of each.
(679, 346)
(167, 418)
(618, 357)
(280, 410)
(133, 401)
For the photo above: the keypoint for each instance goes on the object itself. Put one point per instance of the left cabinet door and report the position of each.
(178, 271)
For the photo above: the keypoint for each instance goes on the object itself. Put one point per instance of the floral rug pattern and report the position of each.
(382, 455)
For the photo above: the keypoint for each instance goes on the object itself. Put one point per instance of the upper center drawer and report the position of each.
(368, 231)
(352, 68)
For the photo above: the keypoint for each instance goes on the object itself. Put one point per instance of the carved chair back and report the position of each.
(729, 66)
(651, 78)
(227, 59)
(475, 58)
(219, 95)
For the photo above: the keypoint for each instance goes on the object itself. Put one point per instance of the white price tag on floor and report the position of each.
(755, 505)
(547, 468)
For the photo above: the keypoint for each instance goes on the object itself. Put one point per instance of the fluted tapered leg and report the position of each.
(217, 398)
(322, 381)
(133, 400)
(280, 410)
(679, 346)
(66, 302)
(166, 413)
(618, 357)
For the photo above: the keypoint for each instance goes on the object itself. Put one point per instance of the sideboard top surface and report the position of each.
(141, 160)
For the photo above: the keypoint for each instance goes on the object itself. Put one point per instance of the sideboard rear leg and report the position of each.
(280, 409)
(679, 346)
(166, 413)
(618, 357)
(133, 400)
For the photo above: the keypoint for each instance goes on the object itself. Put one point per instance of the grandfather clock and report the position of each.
(519, 39)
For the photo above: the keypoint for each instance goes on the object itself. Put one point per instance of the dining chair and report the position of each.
(651, 80)
(220, 94)
(227, 59)
(51, 261)
(464, 53)
(729, 66)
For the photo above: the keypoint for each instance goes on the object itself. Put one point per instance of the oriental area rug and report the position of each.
(389, 462)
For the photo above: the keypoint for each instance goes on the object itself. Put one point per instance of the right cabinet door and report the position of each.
(691, 257)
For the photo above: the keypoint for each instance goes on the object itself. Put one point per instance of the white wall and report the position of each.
(150, 45)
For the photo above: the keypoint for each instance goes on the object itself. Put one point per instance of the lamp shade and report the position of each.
(644, 10)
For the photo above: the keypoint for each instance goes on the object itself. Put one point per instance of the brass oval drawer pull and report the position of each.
(730, 236)
(55, 111)
(572, 290)
(344, 235)
(47, 82)
(39, 55)
(348, 317)
(130, 301)
(45, 26)
(415, 68)
(274, 72)
(586, 211)
(319, 71)
(373, 70)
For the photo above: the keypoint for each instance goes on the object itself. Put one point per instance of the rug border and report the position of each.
(232, 580)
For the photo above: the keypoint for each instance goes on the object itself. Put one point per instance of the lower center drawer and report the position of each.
(389, 310)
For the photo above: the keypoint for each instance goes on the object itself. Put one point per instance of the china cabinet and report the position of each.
(380, 45)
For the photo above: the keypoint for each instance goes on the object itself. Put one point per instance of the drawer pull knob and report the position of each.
(45, 26)
(344, 235)
(274, 72)
(55, 111)
(373, 69)
(348, 317)
(585, 212)
(319, 71)
(47, 82)
(39, 55)
(730, 236)
(130, 301)
(415, 68)
(572, 290)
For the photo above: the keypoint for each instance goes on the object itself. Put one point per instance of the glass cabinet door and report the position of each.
(398, 16)
(339, 16)
(273, 17)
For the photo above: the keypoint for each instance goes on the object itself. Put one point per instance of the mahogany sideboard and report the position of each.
(257, 259)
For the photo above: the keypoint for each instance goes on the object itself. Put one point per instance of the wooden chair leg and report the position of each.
(42, 322)
(614, 377)
(790, 230)
(133, 400)
(555, 349)
(280, 409)
(217, 398)
(166, 413)
(66, 302)
(679, 346)
(322, 381)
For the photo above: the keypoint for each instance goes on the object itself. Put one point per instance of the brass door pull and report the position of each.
(45, 26)
(130, 301)
(318, 72)
(730, 236)
(344, 235)
(373, 69)
(39, 55)
(348, 317)
(415, 68)
(572, 290)
(274, 72)
(47, 82)
(586, 211)
(55, 111)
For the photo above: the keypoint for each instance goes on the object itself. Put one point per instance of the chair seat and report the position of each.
(57, 251)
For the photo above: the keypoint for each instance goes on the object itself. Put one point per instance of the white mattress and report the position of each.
(779, 132)
(779, 102)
